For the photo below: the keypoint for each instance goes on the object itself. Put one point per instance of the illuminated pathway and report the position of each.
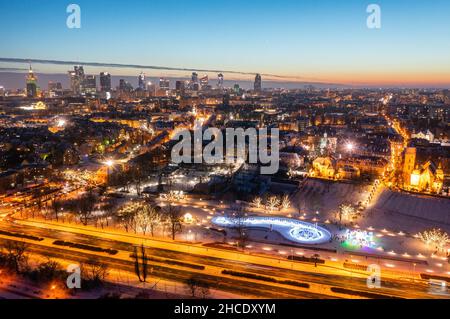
(291, 229)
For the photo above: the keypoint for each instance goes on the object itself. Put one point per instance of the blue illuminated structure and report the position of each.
(291, 229)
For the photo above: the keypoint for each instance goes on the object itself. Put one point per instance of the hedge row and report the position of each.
(85, 247)
(361, 293)
(25, 236)
(307, 259)
(355, 266)
(264, 278)
(173, 262)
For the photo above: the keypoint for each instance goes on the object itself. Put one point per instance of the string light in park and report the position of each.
(434, 238)
(173, 196)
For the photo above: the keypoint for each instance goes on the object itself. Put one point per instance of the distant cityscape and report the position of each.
(305, 156)
(369, 166)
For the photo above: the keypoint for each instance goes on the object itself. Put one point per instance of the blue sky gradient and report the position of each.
(316, 39)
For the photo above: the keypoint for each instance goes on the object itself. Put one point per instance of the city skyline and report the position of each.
(246, 152)
(302, 42)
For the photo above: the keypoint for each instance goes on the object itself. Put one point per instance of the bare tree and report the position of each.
(86, 205)
(147, 218)
(142, 219)
(154, 219)
(127, 219)
(137, 178)
(285, 202)
(56, 207)
(141, 264)
(272, 203)
(94, 272)
(48, 271)
(173, 217)
(16, 256)
(37, 196)
(109, 209)
(257, 202)
(241, 230)
(197, 287)
(347, 212)
(435, 239)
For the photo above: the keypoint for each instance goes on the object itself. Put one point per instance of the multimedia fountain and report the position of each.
(291, 229)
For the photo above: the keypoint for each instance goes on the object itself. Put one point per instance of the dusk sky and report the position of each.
(325, 41)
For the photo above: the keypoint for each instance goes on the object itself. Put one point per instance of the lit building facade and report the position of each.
(76, 78)
(258, 83)
(105, 82)
(32, 88)
(141, 81)
(421, 178)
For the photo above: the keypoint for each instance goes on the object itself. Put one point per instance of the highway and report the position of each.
(314, 276)
(241, 287)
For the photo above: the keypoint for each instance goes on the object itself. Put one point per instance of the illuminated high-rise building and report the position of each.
(89, 86)
(180, 87)
(237, 89)
(194, 77)
(73, 82)
(105, 82)
(204, 81)
(220, 80)
(32, 88)
(164, 84)
(151, 88)
(194, 85)
(55, 89)
(2, 91)
(258, 83)
(141, 81)
(125, 86)
(76, 78)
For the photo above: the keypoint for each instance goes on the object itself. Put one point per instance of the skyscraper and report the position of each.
(194, 77)
(89, 86)
(194, 85)
(141, 81)
(105, 82)
(164, 84)
(220, 80)
(151, 88)
(180, 87)
(31, 84)
(258, 83)
(76, 78)
(125, 86)
(237, 89)
(55, 89)
(204, 81)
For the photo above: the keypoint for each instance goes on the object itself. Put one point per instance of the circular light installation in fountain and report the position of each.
(291, 229)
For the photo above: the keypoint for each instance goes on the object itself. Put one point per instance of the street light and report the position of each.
(350, 147)
(109, 164)
(61, 123)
